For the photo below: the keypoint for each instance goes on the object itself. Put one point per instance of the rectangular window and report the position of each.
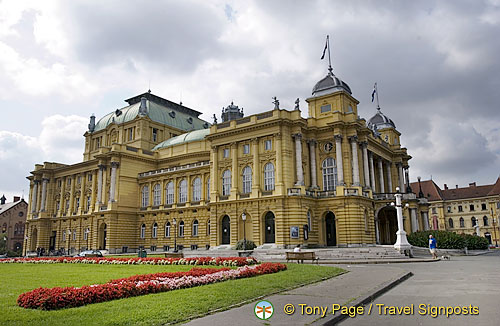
(88, 203)
(226, 153)
(246, 149)
(74, 235)
(181, 230)
(483, 207)
(130, 133)
(460, 209)
(89, 177)
(471, 207)
(268, 145)
(98, 142)
(326, 108)
(59, 182)
(449, 209)
(434, 210)
(77, 203)
(155, 134)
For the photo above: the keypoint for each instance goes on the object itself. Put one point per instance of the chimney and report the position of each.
(445, 186)
(17, 198)
(2, 200)
(472, 184)
(456, 186)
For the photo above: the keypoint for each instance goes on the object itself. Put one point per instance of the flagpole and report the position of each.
(329, 58)
(376, 93)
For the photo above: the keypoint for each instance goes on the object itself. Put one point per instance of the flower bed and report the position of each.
(57, 298)
(215, 261)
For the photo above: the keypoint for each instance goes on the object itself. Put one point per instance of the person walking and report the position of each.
(433, 246)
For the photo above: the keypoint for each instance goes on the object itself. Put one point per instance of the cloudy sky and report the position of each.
(436, 64)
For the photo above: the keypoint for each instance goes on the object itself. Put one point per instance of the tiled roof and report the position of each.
(496, 188)
(431, 190)
(5, 207)
(467, 192)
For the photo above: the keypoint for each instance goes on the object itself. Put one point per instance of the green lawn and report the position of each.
(153, 309)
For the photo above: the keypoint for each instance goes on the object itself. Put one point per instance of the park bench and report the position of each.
(307, 255)
(174, 255)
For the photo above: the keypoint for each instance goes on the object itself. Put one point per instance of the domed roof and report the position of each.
(380, 121)
(184, 138)
(329, 84)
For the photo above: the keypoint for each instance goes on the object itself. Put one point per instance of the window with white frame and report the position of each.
(167, 230)
(269, 176)
(197, 189)
(86, 234)
(225, 153)
(309, 221)
(88, 202)
(169, 193)
(329, 174)
(226, 183)
(183, 191)
(145, 196)
(208, 188)
(154, 234)
(246, 149)
(74, 234)
(247, 180)
(208, 227)
(268, 145)
(64, 235)
(181, 229)
(195, 228)
(143, 231)
(155, 134)
(157, 195)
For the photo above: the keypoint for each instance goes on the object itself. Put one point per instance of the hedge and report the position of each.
(448, 240)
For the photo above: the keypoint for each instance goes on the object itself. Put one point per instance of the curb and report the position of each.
(380, 261)
(371, 296)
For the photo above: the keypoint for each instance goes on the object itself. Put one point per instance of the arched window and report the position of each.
(247, 180)
(183, 191)
(157, 195)
(16, 229)
(208, 227)
(155, 230)
(450, 223)
(143, 231)
(64, 235)
(329, 174)
(145, 196)
(195, 228)
(226, 183)
(462, 223)
(86, 234)
(74, 234)
(309, 221)
(167, 230)
(208, 189)
(485, 220)
(197, 189)
(169, 193)
(88, 203)
(181, 229)
(269, 177)
(473, 221)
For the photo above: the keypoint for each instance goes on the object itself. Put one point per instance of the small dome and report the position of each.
(329, 84)
(380, 121)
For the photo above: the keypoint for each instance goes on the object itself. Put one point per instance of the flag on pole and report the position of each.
(324, 50)
(374, 91)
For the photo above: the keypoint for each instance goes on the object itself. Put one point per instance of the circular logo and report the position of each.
(264, 310)
(328, 147)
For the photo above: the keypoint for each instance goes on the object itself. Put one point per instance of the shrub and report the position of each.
(444, 239)
(473, 242)
(250, 245)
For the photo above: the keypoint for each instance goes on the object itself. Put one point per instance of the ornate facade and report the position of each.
(154, 175)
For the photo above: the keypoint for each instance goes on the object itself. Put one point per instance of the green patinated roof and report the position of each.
(157, 112)
(184, 138)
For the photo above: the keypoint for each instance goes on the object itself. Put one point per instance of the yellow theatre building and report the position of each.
(154, 174)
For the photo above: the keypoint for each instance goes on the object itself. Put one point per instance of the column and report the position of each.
(214, 175)
(279, 162)
(112, 189)
(44, 194)
(71, 196)
(340, 164)
(61, 196)
(92, 194)
(401, 178)
(381, 175)
(34, 196)
(312, 155)
(426, 220)
(366, 169)
(99, 183)
(389, 176)
(298, 160)
(372, 173)
(355, 165)
(414, 221)
(234, 167)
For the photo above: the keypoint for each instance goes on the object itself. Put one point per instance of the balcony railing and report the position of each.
(175, 168)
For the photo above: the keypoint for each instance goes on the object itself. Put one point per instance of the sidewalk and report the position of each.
(359, 282)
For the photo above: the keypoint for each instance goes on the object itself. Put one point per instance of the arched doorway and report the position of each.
(331, 230)
(269, 232)
(34, 236)
(487, 235)
(226, 230)
(102, 236)
(387, 225)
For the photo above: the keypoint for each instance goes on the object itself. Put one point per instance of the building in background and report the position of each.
(12, 222)
(154, 176)
(463, 210)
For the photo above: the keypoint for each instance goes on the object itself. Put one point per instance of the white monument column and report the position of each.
(312, 154)
(366, 169)
(34, 196)
(44, 194)
(340, 164)
(112, 186)
(355, 165)
(298, 160)
(372, 173)
(401, 242)
(99, 183)
(381, 175)
(389, 176)
(414, 221)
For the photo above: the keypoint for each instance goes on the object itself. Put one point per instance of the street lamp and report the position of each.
(175, 234)
(244, 218)
(494, 228)
(401, 244)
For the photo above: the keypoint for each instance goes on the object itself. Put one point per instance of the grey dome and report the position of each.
(380, 121)
(329, 84)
